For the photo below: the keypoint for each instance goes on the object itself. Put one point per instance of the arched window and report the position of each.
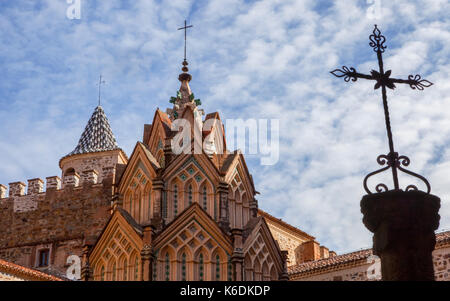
(205, 199)
(138, 204)
(189, 195)
(175, 200)
(102, 274)
(183, 267)
(114, 272)
(136, 269)
(167, 267)
(125, 267)
(217, 267)
(149, 214)
(200, 268)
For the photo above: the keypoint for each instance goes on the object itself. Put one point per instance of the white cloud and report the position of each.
(263, 59)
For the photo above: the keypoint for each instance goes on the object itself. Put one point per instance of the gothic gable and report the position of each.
(263, 260)
(160, 131)
(193, 247)
(136, 183)
(190, 179)
(116, 254)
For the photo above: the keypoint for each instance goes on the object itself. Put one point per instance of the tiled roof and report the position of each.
(25, 273)
(97, 135)
(443, 238)
(332, 262)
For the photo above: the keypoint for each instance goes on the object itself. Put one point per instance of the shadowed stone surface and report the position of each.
(403, 224)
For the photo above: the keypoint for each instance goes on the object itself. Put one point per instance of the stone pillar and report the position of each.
(147, 253)
(237, 258)
(16, 189)
(86, 273)
(168, 154)
(35, 186)
(224, 219)
(3, 190)
(254, 208)
(158, 189)
(284, 276)
(53, 183)
(403, 224)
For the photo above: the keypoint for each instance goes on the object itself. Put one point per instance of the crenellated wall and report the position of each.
(57, 219)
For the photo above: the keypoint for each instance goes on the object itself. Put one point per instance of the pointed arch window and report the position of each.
(102, 274)
(149, 214)
(175, 200)
(190, 195)
(167, 267)
(114, 272)
(205, 198)
(136, 269)
(200, 268)
(125, 267)
(183, 267)
(217, 267)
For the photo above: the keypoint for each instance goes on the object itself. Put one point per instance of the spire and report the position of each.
(97, 136)
(184, 96)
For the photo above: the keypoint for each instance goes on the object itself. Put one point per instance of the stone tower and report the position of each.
(97, 150)
(46, 226)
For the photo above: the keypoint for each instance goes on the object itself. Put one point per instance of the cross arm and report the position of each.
(415, 82)
(351, 74)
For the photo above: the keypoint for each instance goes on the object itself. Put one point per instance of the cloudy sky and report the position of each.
(263, 59)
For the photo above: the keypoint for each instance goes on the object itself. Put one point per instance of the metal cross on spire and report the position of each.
(383, 80)
(100, 83)
(185, 37)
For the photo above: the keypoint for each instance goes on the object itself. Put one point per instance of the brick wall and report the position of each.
(56, 219)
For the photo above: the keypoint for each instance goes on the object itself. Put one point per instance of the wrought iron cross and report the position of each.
(185, 36)
(383, 80)
(100, 82)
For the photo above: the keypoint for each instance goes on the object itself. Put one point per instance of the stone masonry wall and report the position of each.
(441, 260)
(286, 241)
(57, 220)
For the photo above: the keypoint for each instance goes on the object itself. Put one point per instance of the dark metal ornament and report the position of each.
(383, 80)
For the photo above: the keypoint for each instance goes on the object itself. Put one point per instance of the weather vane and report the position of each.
(185, 63)
(383, 80)
(100, 82)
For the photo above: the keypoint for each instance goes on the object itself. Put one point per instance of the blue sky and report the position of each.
(249, 59)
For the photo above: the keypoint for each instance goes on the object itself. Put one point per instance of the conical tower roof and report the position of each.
(97, 136)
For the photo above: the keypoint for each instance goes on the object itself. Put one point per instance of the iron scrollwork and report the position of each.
(392, 160)
(383, 80)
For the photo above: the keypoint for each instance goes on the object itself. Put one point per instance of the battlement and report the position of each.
(36, 186)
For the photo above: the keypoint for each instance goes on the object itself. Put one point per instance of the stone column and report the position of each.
(403, 224)
(237, 258)
(147, 253)
(86, 273)
(168, 154)
(158, 188)
(224, 219)
(284, 276)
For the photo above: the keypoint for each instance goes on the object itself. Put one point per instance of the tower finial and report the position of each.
(100, 82)
(185, 63)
